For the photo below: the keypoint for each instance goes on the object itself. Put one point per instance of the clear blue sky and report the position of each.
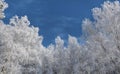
(54, 17)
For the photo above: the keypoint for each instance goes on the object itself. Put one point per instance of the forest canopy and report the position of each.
(22, 51)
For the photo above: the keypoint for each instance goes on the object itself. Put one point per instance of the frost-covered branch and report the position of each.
(3, 6)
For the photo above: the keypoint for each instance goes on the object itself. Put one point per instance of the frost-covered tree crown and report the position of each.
(22, 52)
(3, 6)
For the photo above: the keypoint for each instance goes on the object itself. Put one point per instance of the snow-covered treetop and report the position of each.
(22, 51)
(3, 6)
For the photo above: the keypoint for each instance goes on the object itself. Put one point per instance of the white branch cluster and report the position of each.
(3, 6)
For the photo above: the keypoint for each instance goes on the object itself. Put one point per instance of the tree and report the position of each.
(3, 6)
(22, 52)
(103, 39)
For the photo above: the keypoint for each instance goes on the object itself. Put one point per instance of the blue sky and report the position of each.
(54, 17)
